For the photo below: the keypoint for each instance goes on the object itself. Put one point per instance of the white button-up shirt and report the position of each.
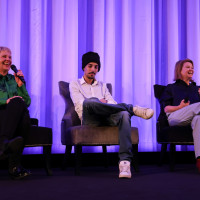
(80, 90)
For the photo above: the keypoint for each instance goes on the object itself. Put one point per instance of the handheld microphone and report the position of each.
(13, 67)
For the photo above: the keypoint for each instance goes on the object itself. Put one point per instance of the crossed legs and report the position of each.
(96, 113)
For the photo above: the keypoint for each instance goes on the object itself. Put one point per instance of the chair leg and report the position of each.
(162, 154)
(105, 156)
(47, 159)
(67, 155)
(135, 157)
(78, 152)
(172, 157)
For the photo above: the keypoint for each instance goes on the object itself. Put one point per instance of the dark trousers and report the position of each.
(96, 113)
(14, 121)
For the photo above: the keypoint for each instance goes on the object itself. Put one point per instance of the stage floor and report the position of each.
(97, 182)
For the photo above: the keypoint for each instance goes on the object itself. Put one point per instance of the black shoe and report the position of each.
(18, 173)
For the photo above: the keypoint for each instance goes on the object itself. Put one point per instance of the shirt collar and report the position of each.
(82, 81)
(184, 83)
(7, 76)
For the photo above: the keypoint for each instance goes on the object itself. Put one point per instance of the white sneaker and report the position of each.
(124, 169)
(145, 113)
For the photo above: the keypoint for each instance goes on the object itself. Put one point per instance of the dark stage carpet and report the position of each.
(152, 182)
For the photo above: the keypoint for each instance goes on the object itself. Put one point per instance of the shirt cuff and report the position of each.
(111, 102)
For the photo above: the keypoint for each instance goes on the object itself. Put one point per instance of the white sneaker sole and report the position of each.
(124, 175)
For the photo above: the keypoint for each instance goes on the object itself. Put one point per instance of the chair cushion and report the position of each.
(85, 135)
(175, 134)
(39, 136)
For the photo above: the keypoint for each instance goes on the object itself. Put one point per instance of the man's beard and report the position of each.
(89, 77)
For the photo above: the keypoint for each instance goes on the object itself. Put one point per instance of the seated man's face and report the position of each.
(90, 70)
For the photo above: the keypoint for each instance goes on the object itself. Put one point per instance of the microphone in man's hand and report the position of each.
(13, 67)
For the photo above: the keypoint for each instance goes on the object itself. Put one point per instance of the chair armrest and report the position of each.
(158, 126)
(65, 124)
(34, 122)
(66, 121)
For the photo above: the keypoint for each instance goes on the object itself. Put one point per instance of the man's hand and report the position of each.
(103, 100)
(199, 91)
(8, 100)
(19, 82)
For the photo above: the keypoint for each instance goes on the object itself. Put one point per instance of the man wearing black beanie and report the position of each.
(95, 106)
(91, 57)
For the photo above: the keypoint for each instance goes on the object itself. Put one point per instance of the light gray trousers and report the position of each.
(188, 115)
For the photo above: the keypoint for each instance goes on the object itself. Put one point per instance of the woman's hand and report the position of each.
(8, 100)
(170, 109)
(19, 82)
(183, 104)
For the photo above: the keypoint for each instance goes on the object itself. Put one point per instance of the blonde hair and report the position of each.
(178, 68)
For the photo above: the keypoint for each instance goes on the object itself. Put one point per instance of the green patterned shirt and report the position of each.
(9, 88)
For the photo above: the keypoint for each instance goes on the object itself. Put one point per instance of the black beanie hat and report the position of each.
(91, 57)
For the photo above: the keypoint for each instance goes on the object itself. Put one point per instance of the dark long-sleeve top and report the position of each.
(176, 92)
(9, 88)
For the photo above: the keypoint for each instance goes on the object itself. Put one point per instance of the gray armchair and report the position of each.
(77, 135)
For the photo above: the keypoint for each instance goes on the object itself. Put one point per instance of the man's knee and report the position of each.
(90, 101)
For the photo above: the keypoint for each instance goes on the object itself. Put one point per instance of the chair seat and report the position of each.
(85, 135)
(176, 135)
(39, 136)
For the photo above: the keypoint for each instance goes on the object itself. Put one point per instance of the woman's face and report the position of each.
(5, 61)
(187, 71)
